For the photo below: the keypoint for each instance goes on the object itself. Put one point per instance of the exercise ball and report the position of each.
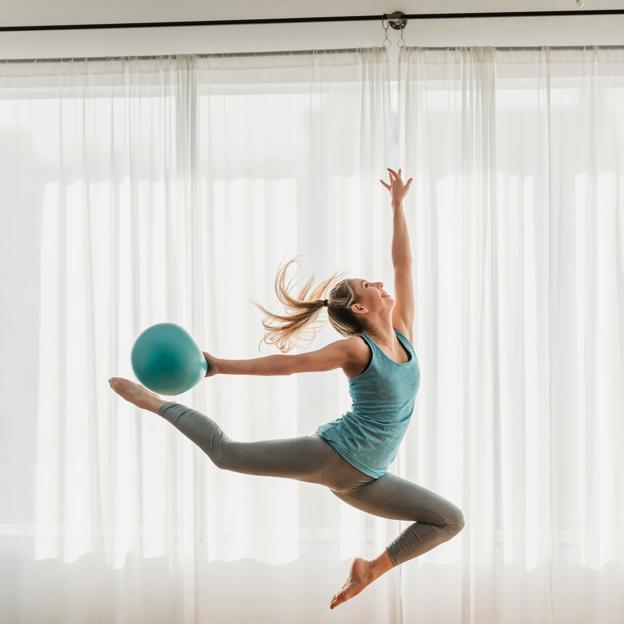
(167, 360)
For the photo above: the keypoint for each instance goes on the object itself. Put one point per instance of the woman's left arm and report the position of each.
(401, 253)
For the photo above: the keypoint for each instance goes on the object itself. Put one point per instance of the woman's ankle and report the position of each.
(381, 564)
(155, 405)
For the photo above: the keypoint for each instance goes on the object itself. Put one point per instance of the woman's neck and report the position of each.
(385, 336)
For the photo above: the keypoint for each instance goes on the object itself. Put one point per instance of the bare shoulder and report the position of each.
(358, 356)
(356, 347)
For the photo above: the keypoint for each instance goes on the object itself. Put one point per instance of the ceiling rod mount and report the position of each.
(397, 20)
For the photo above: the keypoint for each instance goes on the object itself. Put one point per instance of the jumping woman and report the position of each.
(351, 454)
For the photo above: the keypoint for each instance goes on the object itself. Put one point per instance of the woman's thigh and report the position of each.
(305, 458)
(399, 499)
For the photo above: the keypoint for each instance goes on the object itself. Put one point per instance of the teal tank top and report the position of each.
(383, 395)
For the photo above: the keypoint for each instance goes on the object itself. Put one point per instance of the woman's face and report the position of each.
(372, 294)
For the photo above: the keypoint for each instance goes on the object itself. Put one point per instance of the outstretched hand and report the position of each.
(398, 190)
(213, 364)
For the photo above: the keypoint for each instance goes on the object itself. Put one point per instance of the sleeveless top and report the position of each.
(383, 395)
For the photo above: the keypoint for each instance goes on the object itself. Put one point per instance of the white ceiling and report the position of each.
(510, 31)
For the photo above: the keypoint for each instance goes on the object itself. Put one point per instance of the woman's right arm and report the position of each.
(269, 365)
(335, 355)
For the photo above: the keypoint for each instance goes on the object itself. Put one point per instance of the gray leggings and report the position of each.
(310, 458)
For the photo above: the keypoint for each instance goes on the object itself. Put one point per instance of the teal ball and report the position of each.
(167, 360)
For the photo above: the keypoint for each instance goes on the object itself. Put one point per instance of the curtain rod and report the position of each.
(221, 55)
(397, 20)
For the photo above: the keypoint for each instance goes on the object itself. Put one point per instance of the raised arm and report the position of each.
(403, 311)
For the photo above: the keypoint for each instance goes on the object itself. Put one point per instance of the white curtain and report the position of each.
(147, 190)
(140, 191)
(517, 219)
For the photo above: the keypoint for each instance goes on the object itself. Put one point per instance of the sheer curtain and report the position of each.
(518, 236)
(145, 190)
(140, 191)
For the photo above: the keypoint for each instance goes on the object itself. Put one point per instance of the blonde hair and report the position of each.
(304, 307)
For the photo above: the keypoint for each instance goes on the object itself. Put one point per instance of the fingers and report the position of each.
(397, 187)
(396, 176)
(394, 173)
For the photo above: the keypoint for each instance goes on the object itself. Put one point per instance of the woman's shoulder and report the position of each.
(359, 355)
(357, 344)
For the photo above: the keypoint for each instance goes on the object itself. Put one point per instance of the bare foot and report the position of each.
(136, 393)
(360, 576)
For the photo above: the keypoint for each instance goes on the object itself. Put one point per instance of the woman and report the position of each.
(349, 455)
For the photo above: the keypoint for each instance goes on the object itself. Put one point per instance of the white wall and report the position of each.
(528, 31)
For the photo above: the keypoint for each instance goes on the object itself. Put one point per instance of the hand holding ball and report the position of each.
(166, 359)
(213, 364)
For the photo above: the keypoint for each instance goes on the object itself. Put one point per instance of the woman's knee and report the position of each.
(221, 454)
(455, 521)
